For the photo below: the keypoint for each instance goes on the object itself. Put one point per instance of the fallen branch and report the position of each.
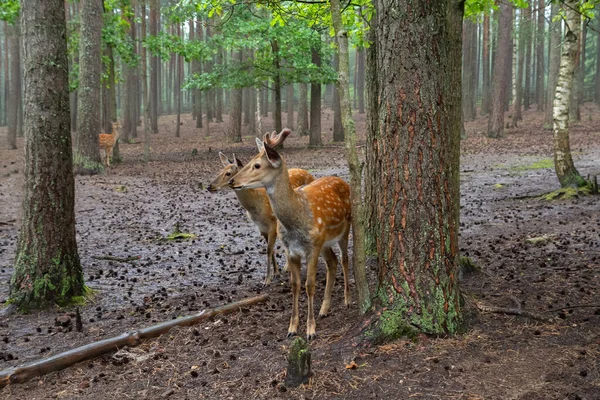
(60, 361)
(119, 259)
(511, 311)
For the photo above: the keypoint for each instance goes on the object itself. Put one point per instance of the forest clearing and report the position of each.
(299, 199)
(129, 211)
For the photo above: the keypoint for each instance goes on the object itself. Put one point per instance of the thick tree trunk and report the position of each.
(14, 91)
(539, 81)
(154, 66)
(485, 65)
(86, 158)
(416, 168)
(354, 164)
(501, 65)
(302, 121)
(554, 61)
(563, 162)
(47, 268)
(315, 104)
(234, 130)
(289, 102)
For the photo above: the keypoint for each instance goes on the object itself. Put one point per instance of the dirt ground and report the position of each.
(129, 210)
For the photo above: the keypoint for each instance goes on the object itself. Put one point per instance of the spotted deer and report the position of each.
(108, 140)
(311, 220)
(257, 205)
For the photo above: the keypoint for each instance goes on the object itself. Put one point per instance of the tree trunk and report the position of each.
(14, 84)
(577, 89)
(315, 104)
(177, 88)
(518, 115)
(528, 29)
(145, 97)
(338, 129)
(219, 92)
(501, 67)
(154, 66)
(486, 84)
(277, 86)
(468, 89)
(563, 162)
(554, 57)
(86, 159)
(354, 164)
(597, 92)
(360, 80)
(47, 268)
(302, 121)
(539, 81)
(416, 168)
(290, 105)
(234, 130)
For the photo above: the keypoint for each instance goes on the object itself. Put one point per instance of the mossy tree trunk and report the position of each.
(47, 267)
(354, 164)
(87, 155)
(415, 167)
(563, 161)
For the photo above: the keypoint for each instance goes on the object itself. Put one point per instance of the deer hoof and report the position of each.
(291, 335)
(324, 315)
(311, 337)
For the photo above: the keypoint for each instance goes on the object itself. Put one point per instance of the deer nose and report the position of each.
(231, 182)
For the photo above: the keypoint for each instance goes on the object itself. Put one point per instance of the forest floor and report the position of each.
(129, 210)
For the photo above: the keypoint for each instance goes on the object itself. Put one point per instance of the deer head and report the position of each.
(115, 128)
(262, 170)
(230, 169)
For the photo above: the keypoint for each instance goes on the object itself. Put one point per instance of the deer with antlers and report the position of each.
(257, 205)
(312, 219)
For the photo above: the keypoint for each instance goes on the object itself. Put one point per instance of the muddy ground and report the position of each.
(129, 210)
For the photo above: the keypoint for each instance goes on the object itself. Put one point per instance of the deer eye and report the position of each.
(228, 174)
(257, 166)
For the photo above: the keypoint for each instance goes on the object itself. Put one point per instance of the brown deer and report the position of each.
(108, 140)
(257, 205)
(311, 219)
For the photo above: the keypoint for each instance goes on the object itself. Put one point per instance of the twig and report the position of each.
(60, 361)
(119, 259)
(511, 311)
(572, 307)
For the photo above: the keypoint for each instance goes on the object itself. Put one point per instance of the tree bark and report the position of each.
(154, 66)
(219, 92)
(416, 168)
(354, 164)
(197, 69)
(554, 61)
(468, 89)
(528, 29)
(539, 81)
(289, 102)
(518, 115)
(234, 131)
(47, 268)
(577, 89)
(486, 84)
(144, 78)
(14, 90)
(302, 120)
(563, 161)
(315, 104)
(86, 159)
(501, 66)
(277, 86)
(360, 79)
(177, 88)
(338, 129)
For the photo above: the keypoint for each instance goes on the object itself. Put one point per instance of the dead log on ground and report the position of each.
(60, 361)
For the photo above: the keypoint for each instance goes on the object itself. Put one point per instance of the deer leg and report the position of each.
(294, 264)
(311, 278)
(331, 261)
(270, 238)
(107, 152)
(343, 243)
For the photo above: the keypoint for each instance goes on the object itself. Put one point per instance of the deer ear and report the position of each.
(273, 157)
(237, 161)
(224, 159)
(259, 144)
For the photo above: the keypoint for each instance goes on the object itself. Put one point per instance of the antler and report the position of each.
(273, 140)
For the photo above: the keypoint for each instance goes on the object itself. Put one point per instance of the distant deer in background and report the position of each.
(312, 219)
(108, 140)
(257, 205)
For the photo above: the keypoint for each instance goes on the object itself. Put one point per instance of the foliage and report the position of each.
(9, 10)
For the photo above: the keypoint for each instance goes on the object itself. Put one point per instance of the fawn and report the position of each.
(311, 219)
(108, 140)
(257, 205)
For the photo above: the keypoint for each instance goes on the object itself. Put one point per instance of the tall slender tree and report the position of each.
(518, 101)
(47, 269)
(563, 161)
(302, 120)
(501, 67)
(315, 104)
(86, 157)
(554, 61)
(154, 66)
(14, 91)
(539, 85)
(234, 130)
(485, 66)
